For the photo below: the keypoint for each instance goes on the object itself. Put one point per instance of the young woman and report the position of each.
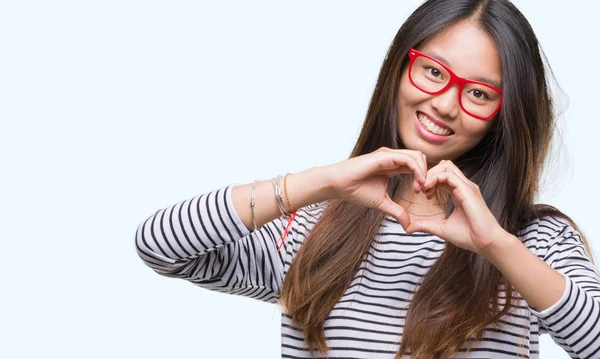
(426, 242)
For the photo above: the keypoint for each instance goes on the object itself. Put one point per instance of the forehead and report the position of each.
(469, 51)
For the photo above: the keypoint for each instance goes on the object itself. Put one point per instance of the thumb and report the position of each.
(429, 225)
(395, 210)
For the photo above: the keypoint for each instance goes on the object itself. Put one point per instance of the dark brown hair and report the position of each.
(515, 147)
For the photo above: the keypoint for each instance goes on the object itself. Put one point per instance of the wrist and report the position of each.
(504, 244)
(323, 185)
(309, 187)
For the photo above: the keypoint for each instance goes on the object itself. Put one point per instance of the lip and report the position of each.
(429, 136)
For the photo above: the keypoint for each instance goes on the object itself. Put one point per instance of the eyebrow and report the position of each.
(478, 78)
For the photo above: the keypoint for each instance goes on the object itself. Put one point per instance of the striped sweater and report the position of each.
(204, 241)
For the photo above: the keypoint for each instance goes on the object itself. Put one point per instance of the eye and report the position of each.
(433, 71)
(479, 94)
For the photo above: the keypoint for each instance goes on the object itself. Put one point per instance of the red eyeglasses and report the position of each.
(477, 99)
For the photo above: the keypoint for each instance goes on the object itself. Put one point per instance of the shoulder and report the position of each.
(548, 231)
(545, 228)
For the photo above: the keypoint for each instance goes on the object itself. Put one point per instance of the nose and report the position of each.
(446, 103)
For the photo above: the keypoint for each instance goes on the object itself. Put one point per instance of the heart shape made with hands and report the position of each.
(471, 225)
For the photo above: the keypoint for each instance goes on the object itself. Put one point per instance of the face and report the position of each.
(470, 53)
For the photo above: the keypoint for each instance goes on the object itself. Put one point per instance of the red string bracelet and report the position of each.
(281, 240)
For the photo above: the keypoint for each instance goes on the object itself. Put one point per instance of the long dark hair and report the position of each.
(516, 147)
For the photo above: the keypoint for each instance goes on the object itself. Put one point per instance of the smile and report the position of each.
(431, 131)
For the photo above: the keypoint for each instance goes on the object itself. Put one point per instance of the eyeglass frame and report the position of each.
(454, 80)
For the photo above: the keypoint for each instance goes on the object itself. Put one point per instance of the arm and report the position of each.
(206, 241)
(562, 289)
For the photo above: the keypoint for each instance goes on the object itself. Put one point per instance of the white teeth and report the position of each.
(433, 127)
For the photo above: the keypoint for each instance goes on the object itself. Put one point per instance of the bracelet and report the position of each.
(286, 192)
(279, 198)
(253, 202)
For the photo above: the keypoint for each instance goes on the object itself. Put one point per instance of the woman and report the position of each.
(412, 246)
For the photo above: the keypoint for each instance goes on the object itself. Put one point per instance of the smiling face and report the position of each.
(436, 124)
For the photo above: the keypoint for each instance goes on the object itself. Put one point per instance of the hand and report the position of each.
(471, 225)
(364, 179)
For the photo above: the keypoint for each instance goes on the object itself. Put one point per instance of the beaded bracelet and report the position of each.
(286, 193)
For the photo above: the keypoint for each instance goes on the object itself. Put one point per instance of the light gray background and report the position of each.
(111, 110)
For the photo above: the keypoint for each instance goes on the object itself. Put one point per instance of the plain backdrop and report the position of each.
(111, 110)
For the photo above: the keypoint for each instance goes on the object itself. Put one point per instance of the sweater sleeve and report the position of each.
(204, 241)
(573, 321)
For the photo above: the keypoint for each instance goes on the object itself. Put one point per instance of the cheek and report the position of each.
(408, 97)
(475, 130)
(408, 94)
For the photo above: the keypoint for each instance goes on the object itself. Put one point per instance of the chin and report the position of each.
(433, 155)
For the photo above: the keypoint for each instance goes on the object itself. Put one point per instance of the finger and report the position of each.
(390, 173)
(398, 161)
(448, 166)
(456, 185)
(417, 185)
(451, 166)
(445, 167)
(395, 210)
(423, 161)
(464, 195)
(420, 158)
(433, 183)
(440, 167)
(429, 225)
